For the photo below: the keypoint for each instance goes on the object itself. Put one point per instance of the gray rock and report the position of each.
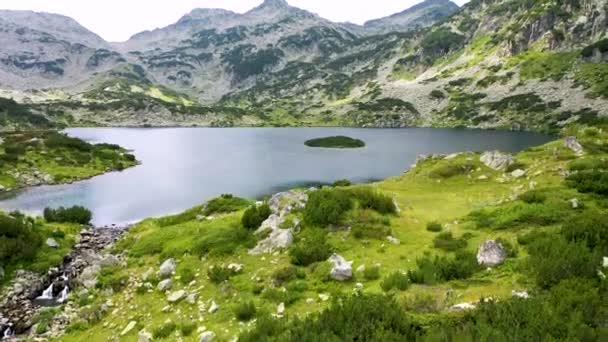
(518, 173)
(574, 203)
(605, 262)
(207, 336)
(574, 145)
(191, 299)
(236, 268)
(496, 160)
(52, 243)
(128, 328)
(144, 336)
(214, 307)
(108, 261)
(393, 240)
(491, 253)
(176, 296)
(342, 270)
(165, 285)
(278, 239)
(167, 268)
(88, 277)
(281, 310)
(520, 294)
(463, 306)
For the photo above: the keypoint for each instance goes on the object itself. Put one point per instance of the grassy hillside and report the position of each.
(550, 221)
(49, 157)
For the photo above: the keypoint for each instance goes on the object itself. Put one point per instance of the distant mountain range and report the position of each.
(492, 63)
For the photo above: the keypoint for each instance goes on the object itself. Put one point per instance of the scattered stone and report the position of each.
(482, 177)
(128, 328)
(393, 240)
(167, 268)
(574, 203)
(52, 243)
(191, 299)
(358, 286)
(491, 253)
(166, 309)
(236, 268)
(452, 156)
(496, 160)
(463, 306)
(323, 297)
(574, 145)
(605, 262)
(281, 310)
(361, 268)
(176, 296)
(518, 173)
(207, 336)
(278, 239)
(165, 285)
(214, 307)
(342, 269)
(88, 277)
(522, 294)
(310, 301)
(144, 336)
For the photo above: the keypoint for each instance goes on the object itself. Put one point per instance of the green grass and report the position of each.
(544, 65)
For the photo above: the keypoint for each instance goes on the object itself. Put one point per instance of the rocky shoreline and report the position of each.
(29, 293)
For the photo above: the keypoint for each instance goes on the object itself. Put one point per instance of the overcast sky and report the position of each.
(117, 20)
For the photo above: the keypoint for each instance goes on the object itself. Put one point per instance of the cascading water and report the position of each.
(63, 296)
(8, 333)
(47, 294)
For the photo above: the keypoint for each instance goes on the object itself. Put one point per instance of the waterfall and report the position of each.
(8, 333)
(63, 295)
(47, 294)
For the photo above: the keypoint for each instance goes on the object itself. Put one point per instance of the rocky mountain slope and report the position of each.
(421, 15)
(504, 64)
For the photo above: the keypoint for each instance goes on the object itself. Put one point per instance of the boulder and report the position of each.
(491, 253)
(214, 307)
(144, 336)
(496, 160)
(393, 240)
(281, 310)
(176, 296)
(605, 262)
(191, 299)
(167, 268)
(207, 336)
(574, 145)
(574, 203)
(108, 261)
(236, 268)
(277, 240)
(342, 270)
(128, 328)
(518, 173)
(520, 294)
(165, 285)
(284, 202)
(463, 306)
(88, 277)
(52, 243)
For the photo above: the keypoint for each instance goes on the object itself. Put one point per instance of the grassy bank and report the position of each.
(445, 209)
(49, 157)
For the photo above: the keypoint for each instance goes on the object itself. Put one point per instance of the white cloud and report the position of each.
(117, 20)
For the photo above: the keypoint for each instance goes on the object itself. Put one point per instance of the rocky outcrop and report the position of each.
(496, 160)
(342, 270)
(167, 268)
(491, 253)
(573, 144)
(207, 336)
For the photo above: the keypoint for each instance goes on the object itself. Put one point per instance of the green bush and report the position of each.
(519, 213)
(286, 274)
(75, 214)
(187, 328)
(435, 227)
(245, 311)
(254, 216)
(437, 95)
(533, 196)
(224, 241)
(396, 280)
(371, 273)
(19, 239)
(226, 203)
(433, 270)
(164, 331)
(219, 274)
(553, 259)
(372, 318)
(186, 275)
(371, 199)
(311, 247)
(447, 242)
(590, 228)
(327, 207)
(367, 225)
(589, 182)
(112, 278)
(342, 183)
(450, 169)
(588, 164)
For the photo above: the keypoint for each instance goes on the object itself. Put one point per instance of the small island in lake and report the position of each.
(335, 142)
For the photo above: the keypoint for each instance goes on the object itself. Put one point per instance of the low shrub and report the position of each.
(311, 247)
(371, 273)
(75, 214)
(342, 183)
(112, 278)
(589, 182)
(219, 274)
(422, 303)
(245, 311)
(435, 227)
(254, 216)
(533, 196)
(367, 225)
(327, 207)
(590, 228)
(450, 169)
(186, 274)
(164, 331)
(375, 200)
(226, 203)
(187, 328)
(588, 164)
(553, 259)
(433, 270)
(20, 239)
(519, 213)
(396, 280)
(447, 242)
(286, 274)
(282, 296)
(224, 241)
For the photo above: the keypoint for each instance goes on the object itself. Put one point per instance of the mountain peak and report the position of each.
(275, 3)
